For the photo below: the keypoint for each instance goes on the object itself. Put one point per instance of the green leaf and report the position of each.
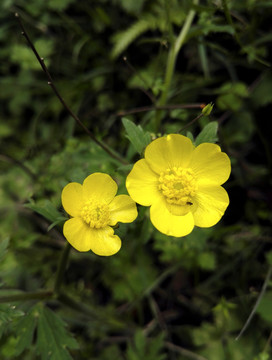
(265, 307)
(124, 38)
(136, 135)
(3, 247)
(25, 329)
(52, 337)
(46, 209)
(262, 94)
(206, 260)
(59, 220)
(7, 314)
(208, 134)
(190, 136)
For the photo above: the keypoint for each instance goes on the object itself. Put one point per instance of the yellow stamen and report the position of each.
(178, 185)
(95, 215)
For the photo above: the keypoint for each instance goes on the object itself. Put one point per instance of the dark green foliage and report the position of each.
(136, 135)
(159, 297)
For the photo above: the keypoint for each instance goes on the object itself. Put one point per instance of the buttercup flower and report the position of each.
(181, 183)
(94, 209)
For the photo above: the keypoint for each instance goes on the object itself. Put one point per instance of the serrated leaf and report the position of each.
(7, 314)
(208, 134)
(25, 330)
(53, 339)
(136, 135)
(46, 209)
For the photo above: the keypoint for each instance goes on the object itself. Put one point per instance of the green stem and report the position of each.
(171, 61)
(229, 20)
(94, 314)
(61, 268)
(265, 284)
(38, 295)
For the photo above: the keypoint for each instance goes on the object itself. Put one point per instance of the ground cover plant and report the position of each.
(135, 173)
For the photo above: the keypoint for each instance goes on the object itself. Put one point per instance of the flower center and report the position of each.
(96, 215)
(178, 185)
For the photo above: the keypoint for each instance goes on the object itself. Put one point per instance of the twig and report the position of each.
(267, 278)
(52, 85)
(163, 107)
(180, 350)
(133, 70)
(10, 160)
(24, 296)
(190, 123)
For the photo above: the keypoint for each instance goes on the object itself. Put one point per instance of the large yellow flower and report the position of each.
(181, 183)
(94, 209)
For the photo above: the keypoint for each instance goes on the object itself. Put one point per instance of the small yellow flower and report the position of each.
(94, 209)
(181, 183)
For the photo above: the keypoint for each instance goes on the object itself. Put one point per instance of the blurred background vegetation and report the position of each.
(159, 297)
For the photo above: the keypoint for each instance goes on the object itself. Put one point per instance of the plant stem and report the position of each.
(67, 108)
(61, 268)
(38, 295)
(10, 160)
(171, 61)
(265, 284)
(164, 107)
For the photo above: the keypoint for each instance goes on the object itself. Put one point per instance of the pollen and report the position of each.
(95, 215)
(178, 185)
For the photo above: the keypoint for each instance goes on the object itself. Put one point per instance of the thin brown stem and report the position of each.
(154, 108)
(10, 160)
(134, 71)
(67, 108)
(185, 352)
(191, 123)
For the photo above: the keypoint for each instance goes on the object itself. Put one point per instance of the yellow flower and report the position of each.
(181, 183)
(94, 209)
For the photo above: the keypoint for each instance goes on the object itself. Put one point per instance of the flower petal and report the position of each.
(72, 198)
(168, 223)
(169, 151)
(122, 209)
(210, 165)
(78, 234)
(100, 187)
(209, 206)
(104, 242)
(83, 238)
(142, 184)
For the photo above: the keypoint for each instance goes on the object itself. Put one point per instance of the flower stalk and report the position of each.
(61, 268)
(171, 62)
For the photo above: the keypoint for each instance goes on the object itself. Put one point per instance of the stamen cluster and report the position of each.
(178, 185)
(96, 215)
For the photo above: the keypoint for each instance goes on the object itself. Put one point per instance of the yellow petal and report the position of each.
(142, 184)
(210, 165)
(122, 209)
(169, 151)
(168, 223)
(100, 187)
(209, 205)
(78, 234)
(83, 238)
(72, 198)
(104, 242)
